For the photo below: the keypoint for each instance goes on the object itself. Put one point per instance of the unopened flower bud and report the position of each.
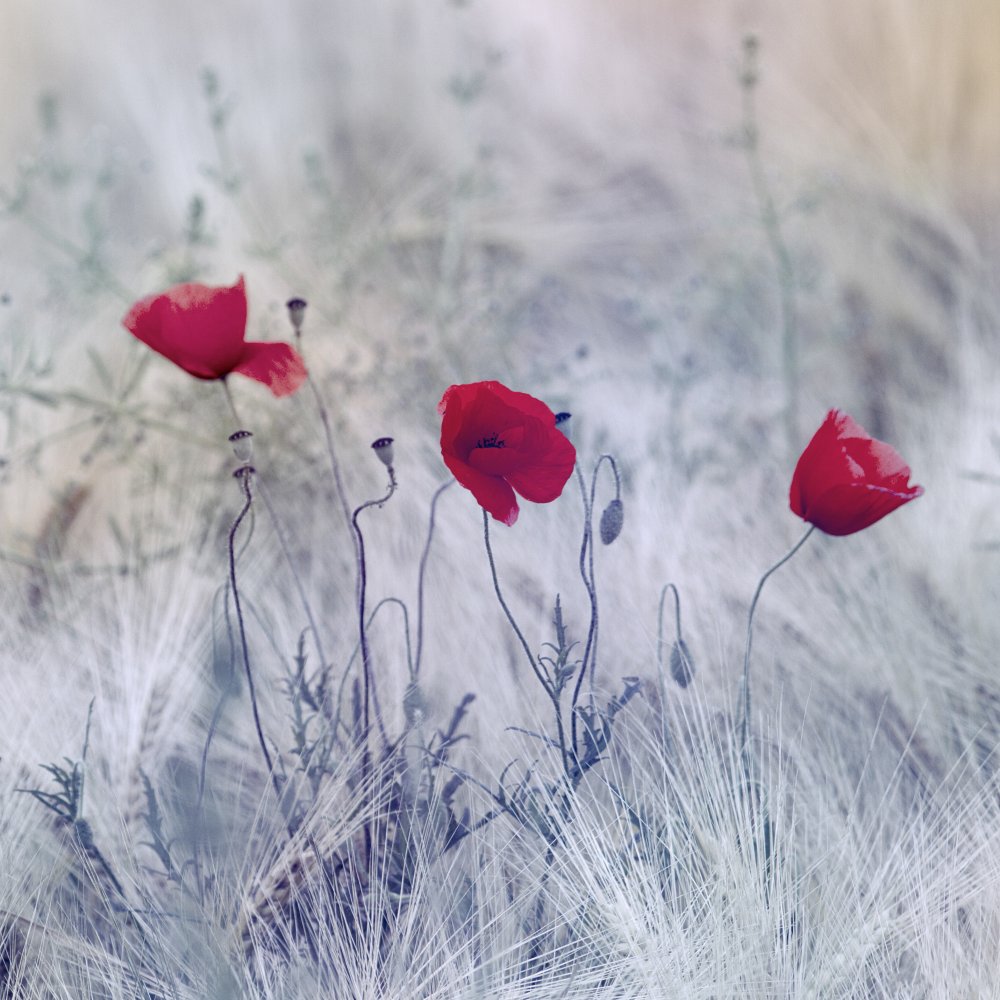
(561, 417)
(611, 521)
(242, 442)
(383, 451)
(681, 664)
(297, 312)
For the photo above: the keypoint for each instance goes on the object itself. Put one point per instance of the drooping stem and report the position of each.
(565, 751)
(745, 720)
(420, 577)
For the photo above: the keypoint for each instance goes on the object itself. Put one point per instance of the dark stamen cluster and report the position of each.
(493, 441)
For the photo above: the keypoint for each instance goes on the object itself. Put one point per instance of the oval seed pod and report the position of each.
(611, 521)
(681, 664)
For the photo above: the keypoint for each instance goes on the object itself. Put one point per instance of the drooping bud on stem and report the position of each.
(681, 664)
(612, 520)
(242, 442)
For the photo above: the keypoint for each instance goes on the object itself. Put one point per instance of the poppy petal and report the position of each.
(492, 493)
(277, 365)
(852, 507)
(495, 461)
(543, 478)
(198, 327)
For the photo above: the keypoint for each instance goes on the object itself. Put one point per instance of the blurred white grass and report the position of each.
(551, 195)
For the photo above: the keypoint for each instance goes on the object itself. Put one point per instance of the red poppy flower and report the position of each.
(846, 480)
(202, 329)
(496, 441)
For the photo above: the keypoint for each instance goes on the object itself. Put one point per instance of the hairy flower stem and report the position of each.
(745, 719)
(565, 752)
(365, 656)
(420, 577)
(770, 221)
(587, 574)
(244, 477)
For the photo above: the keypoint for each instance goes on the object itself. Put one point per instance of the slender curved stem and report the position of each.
(745, 721)
(229, 399)
(224, 590)
(591, 648)
(588, 531)
(245, 483)
(542, 679)
(365, 657)
(362, 587)
(587, 574)
(406, 631)
(565, 752)
(331, 450)
(285, 550)
(415, 672)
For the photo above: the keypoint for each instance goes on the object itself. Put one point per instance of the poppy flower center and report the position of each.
(498, 453)
(492, 441)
